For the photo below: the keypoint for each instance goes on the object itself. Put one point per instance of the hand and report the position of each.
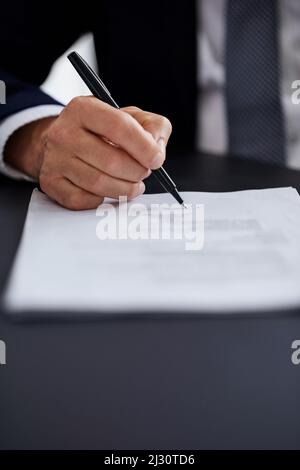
(90, 151)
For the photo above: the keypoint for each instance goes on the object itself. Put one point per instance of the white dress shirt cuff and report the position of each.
(9, 125)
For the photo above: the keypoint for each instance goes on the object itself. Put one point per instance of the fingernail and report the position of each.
(142, 188)
(159, 159)
(161, 143)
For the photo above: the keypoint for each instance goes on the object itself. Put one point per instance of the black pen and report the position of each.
(99, 90)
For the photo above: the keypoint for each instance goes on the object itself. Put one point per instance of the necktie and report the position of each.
(255, 121)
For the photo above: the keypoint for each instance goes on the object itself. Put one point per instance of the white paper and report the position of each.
(250, 259)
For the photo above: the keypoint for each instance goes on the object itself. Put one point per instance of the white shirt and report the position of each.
(212, 131)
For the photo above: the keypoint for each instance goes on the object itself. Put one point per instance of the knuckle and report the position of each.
(115, 130)
(76, 103)
(44, 180)
(157, 161)
(120, 126)
(113, 165)
(98, 182)
(132, 109)
(88, 202)
(57, 134)
(149, 151)
(76, 107)
(132, 190)
(74, 201)
(143, 173)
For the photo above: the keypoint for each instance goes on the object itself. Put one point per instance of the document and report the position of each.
(227, 252)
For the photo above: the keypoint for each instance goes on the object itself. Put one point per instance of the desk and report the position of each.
(182, 382)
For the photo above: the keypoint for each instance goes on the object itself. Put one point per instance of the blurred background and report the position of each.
(63, 83)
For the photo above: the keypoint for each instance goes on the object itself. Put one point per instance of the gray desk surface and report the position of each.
(181, 382)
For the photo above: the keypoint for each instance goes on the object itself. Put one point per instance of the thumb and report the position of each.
(158, 126)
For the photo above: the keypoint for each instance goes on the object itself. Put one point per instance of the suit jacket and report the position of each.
(146, 53)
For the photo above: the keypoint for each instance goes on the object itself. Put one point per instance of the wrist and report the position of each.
(24, 149)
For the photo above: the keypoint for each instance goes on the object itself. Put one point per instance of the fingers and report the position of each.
(158, 126)
(70, 196)
(92, 150)
(119, 127)
(98, 183)
(107, 158)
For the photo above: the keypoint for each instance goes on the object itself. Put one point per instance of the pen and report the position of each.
(99, 90)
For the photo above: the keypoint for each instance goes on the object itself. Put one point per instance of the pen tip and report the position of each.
(184, 205)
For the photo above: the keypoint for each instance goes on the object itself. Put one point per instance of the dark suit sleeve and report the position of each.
(32, 36)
